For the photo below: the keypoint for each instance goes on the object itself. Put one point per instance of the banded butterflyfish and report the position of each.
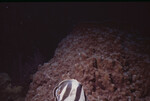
(69, 90)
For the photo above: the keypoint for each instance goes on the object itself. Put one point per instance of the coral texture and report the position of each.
(112, 65)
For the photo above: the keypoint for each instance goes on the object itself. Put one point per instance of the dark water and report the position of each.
(30, 32)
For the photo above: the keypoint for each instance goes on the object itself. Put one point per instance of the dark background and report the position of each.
(30, 32)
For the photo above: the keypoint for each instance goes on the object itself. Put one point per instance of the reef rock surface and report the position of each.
(111, 64)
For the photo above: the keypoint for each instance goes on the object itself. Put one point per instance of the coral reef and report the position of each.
(9, 92)
(111, 64)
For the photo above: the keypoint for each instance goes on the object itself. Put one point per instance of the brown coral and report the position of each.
(108, 62)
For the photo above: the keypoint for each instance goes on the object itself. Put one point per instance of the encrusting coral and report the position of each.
(111, 64)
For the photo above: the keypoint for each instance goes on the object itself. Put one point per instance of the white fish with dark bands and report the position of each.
(69, 90)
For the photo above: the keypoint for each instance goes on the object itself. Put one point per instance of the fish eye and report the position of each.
(58, 92)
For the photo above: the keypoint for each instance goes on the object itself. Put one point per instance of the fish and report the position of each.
(69, 90)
